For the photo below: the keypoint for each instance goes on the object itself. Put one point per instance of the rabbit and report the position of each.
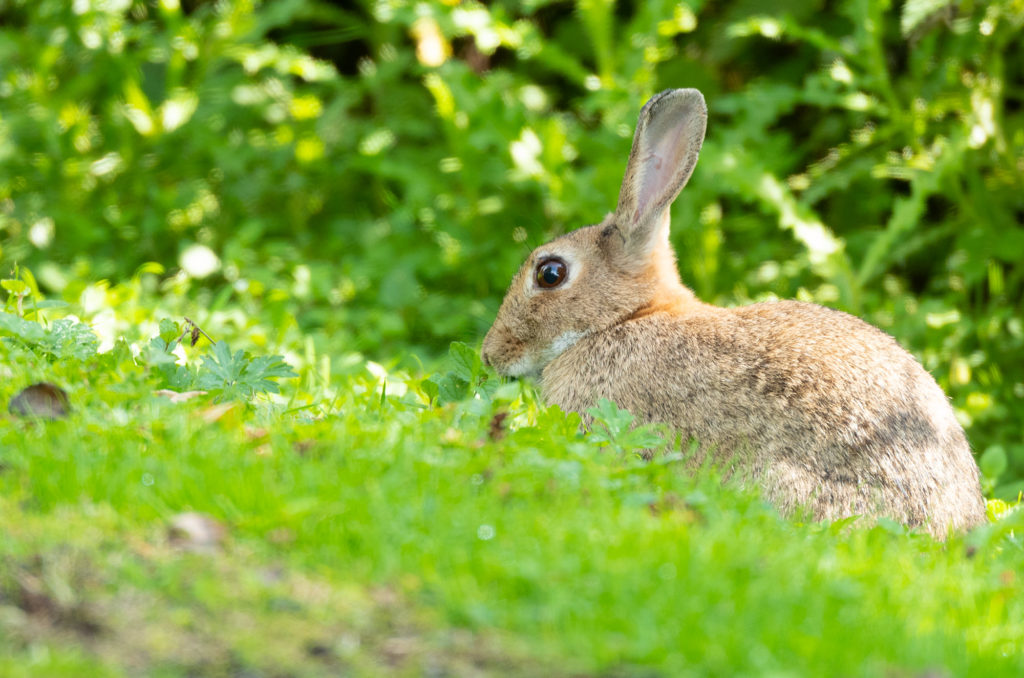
(828, 414)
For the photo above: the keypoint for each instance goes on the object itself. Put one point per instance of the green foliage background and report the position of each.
(370, 174)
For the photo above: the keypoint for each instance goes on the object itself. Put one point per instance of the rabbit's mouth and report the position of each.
(525, 365)
(529, 363)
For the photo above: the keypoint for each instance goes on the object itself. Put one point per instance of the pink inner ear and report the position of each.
(658, 171)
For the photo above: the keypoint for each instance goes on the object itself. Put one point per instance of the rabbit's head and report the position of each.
(595, 277)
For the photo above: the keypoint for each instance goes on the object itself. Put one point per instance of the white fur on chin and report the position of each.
(531, 366)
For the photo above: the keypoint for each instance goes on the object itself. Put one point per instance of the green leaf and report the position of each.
(891, 526)
(68, 338)
(486, 388)
(429, 387)
(615, 426)
(614, 419)
(158, 352)
(15, 287)
(465, 360)
(640, 438)
(837, 526)
(29, 332)
(234, 375)
(993, 462)
(450, 388)
(169, 330)
(260, 372)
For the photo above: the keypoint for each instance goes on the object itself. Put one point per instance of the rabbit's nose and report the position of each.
(488, 342)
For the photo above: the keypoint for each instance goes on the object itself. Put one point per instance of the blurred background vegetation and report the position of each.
(371, 173)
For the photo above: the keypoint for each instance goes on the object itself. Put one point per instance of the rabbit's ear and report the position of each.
(665, 146)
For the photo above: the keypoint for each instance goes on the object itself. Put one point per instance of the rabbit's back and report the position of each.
(824, 410)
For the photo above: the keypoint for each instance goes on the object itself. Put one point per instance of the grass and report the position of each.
(372, 530)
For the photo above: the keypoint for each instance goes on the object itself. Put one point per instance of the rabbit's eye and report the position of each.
(551, 272)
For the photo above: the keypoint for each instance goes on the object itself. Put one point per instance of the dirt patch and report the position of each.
(152, 608)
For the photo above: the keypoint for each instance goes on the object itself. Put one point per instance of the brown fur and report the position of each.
(824, 411)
